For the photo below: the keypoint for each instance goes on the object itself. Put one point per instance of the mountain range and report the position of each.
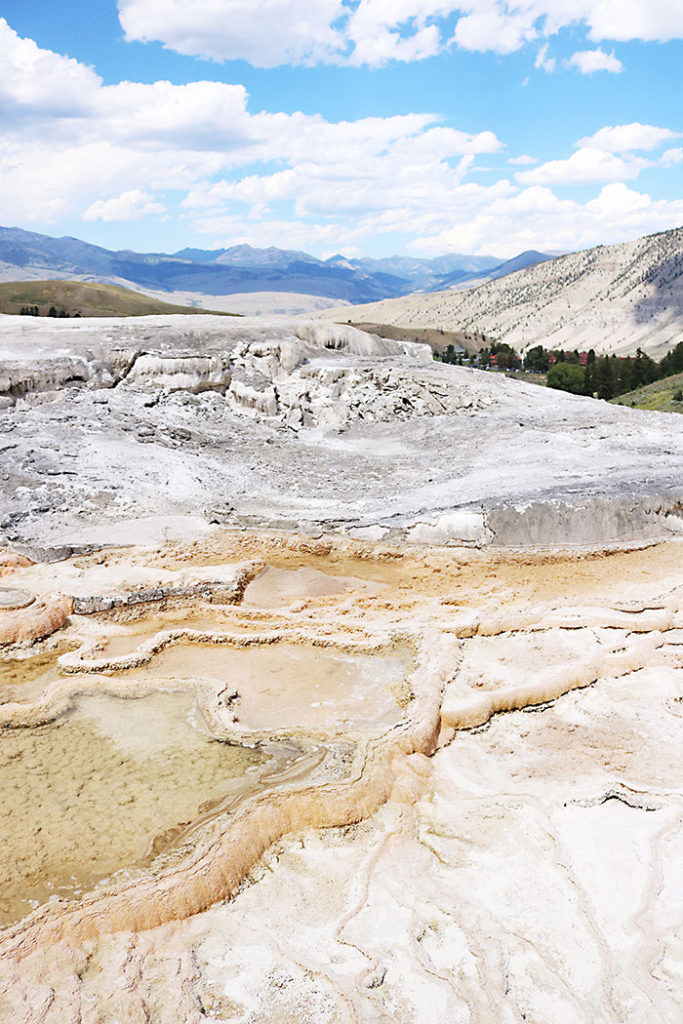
(192, 274)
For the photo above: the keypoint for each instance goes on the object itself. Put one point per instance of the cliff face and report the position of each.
(612, 298)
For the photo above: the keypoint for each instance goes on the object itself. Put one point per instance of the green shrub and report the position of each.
(567, 377)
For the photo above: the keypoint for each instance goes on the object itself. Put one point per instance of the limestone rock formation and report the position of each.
(24, 619)
(450, 862)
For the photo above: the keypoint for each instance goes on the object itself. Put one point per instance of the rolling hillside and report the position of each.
(611, 298)
(658, 396)
(87, 299)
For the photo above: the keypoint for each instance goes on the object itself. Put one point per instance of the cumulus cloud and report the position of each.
(266, 34)
(536, 219)
(627, 138)
(607, 156)
(586, 166)
(523, 160)
(34, 79)
(494, 27)
(590, 61)
(277, 32)
(179, 137)
(340, 218)
(130, 205)
(623, 20)
(373, 32)
(378, 31)
(127, 151)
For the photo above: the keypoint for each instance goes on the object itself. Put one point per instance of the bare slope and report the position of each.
(80, 297)
(611, 298)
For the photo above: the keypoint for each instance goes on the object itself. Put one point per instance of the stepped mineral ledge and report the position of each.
(336, 685)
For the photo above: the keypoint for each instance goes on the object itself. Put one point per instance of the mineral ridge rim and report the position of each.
(11, 599)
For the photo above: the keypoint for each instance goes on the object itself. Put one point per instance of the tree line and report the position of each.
(580, 373)
(610, 376)
(53, 311)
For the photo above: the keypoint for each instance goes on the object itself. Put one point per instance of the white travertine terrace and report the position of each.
(175, 424)
(434, 619)
(472, 883)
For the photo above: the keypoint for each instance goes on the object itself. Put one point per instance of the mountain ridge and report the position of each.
(611, 298)
(242, 269)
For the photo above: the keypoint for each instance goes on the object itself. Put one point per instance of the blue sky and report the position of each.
(368, 127)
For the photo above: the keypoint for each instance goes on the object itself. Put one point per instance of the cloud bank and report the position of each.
(372, 32)
(74, 147)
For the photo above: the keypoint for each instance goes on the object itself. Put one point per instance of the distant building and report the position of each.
(583, 358)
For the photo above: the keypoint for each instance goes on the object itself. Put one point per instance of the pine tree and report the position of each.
(604, 379)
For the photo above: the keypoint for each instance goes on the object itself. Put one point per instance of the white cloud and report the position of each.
(523, 160)
(267, 33)
(543, 61)
(382, 30)
(536, 219)
(590, 61)
(387, 193)
(198, 115)
(671, 157)
(622, 20)
(130, 205)
(626, 138)
(43, 180)
(586, 166)
(330, 214)
(275, 32)
(179, 137)
(33, 79)
(294, 179)
(494, 27)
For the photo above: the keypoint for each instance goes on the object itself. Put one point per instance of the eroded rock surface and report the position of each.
(312, 427)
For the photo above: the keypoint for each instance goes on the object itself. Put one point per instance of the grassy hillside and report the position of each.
(85, 298)
(657, 396)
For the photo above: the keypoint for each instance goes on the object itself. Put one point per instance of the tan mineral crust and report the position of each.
(334, 686)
